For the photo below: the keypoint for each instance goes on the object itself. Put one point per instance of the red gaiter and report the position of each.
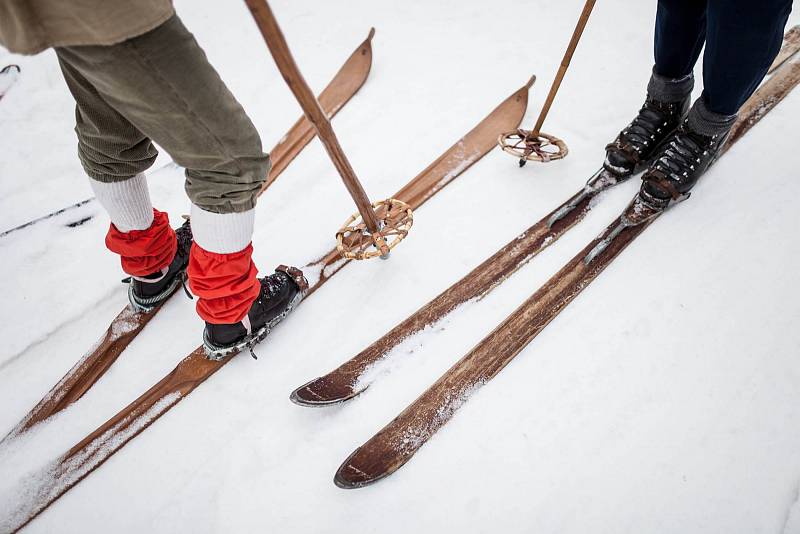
(144, 252)
(226, 284)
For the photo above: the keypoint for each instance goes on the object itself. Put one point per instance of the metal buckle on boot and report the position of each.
(296, 275)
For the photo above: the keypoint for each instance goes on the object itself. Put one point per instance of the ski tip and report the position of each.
(9, 68)
(342, 482)
(348, 476)
(371, 34)
(304, 396)
(309, 395)
(530, 82)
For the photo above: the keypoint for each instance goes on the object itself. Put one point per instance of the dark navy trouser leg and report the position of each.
(742, 38)
(679, 37)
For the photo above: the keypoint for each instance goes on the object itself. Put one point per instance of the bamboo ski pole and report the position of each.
(534, 145)
(273, 36)
(562, 70)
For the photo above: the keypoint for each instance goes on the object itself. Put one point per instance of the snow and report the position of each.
(394, 357)
(665, 399)
(7, 79)
(40, 485)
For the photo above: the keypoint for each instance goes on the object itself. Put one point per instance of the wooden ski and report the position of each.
(193, 370)
(348, 380)
(791, 44)
(397, 442)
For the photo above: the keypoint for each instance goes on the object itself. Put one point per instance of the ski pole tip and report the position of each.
(371, 34)
(530, 82)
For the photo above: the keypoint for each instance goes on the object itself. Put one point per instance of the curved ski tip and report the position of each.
(371, 34)
(303, 396)
(350, 477)
(342, 482)
(530, 82)
(306, 395)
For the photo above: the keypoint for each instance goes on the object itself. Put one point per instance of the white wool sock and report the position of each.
(222, 233)
(127, 202)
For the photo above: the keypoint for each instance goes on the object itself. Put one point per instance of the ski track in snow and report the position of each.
(38, 486)
(13, 358)
(791, 524)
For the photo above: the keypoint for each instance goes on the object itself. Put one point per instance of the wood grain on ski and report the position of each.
(96, 448)
(396, 443)
(127, 325)
(393, 446)
(344, 382)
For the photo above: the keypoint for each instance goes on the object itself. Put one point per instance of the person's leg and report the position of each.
(743, 39)
(115, 154)
(679, 36)
(164, 85)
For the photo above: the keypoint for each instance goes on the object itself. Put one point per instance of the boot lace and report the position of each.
(681, 156)
(273, 285)
(644, 127)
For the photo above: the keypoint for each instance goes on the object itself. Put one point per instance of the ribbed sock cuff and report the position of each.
(670, 89)
(706, 122)
(222, 233)
(127, 202)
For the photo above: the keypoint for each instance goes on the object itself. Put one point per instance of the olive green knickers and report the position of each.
(159, 87)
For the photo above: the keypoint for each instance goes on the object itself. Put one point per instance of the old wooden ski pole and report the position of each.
(305, 97)
(533, 141)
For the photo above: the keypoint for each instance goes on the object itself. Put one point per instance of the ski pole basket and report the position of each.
(355, 242)
(535, 145)
(527, 147)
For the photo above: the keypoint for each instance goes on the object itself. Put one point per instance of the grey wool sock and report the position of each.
(670, 89)
(706, 122)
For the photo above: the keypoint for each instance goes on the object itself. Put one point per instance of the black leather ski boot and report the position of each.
(682, 162)
(636, 145)
(147, 292)
(280, 293)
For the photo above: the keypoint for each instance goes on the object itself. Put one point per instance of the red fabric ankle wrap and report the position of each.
(144, 252)
(226, 284)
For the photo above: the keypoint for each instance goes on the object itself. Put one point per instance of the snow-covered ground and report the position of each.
(666, 398)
